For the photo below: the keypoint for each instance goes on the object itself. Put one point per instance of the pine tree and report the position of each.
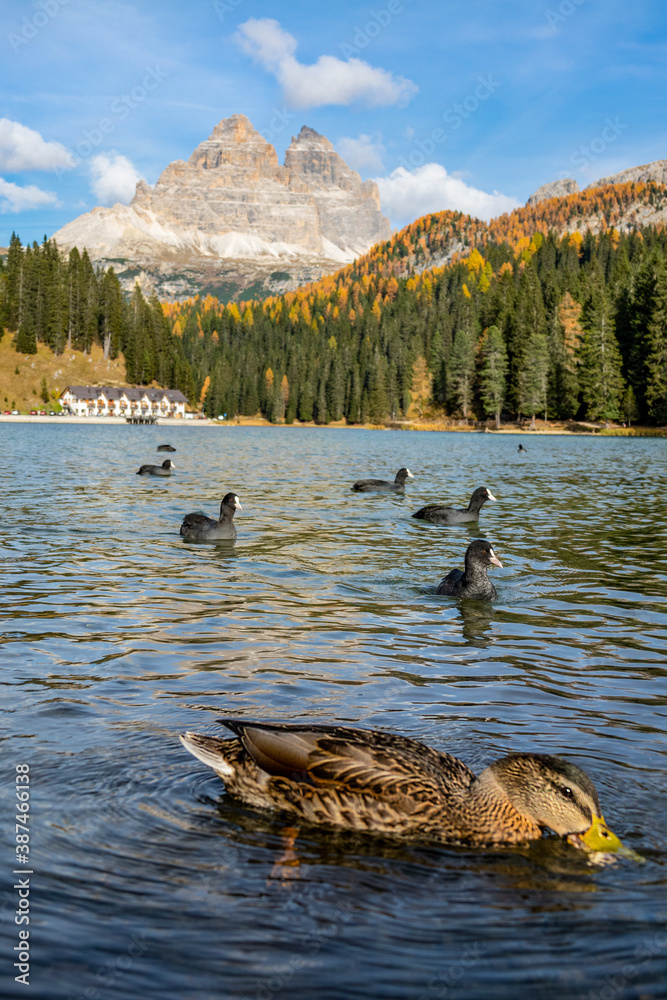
(532, 371)
(492, 376)
(565, 339)
(600, 373)
(14, 271)
(421, 386)
(461, 371)
(656, 349)
(629, 409)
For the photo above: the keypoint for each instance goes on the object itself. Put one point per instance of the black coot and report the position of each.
(157, 470)
(382, 485)
(473, 580)
(438, 514)
(199, 528)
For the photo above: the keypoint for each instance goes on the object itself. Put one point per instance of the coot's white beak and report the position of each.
(490, 496)
(493, 558)
(237, 504)
(410, 476)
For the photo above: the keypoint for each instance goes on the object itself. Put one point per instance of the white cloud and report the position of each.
(22, 148)
(113, 178)
(14, 198)
(363, 153)
(328, 81)
(408, 194)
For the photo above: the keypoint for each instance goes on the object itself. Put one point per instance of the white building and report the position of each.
(106, 401)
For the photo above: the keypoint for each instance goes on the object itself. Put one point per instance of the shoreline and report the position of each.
(576, 430)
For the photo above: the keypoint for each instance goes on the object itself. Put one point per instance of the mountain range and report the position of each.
(232, 221)
(232, 216)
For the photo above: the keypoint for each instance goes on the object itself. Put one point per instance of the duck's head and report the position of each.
(481, 495)
(231, 500)
(559, 796)
(480, 553)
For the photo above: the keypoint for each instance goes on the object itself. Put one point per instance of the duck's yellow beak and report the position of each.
(599, 837)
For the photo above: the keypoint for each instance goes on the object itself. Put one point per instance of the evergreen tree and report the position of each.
(532, 369)
(493, 372)
(565, 339)
(461, 371)
(629, 409)
(600, 373)
(656, 349)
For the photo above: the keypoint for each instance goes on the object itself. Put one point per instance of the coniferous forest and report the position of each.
(543, 325)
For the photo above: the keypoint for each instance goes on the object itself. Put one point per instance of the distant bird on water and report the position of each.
(199, 528)
(378, 782)
(157, 470)
(437, 514)
(165, 447)
(473, 581)
(382, 485)
(522, 449)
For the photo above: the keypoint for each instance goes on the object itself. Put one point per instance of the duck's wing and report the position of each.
(451, 583)
(432, 509)
(353, 761)
(370, 484)
(197, 520)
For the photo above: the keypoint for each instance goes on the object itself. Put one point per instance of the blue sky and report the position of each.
(470, 104)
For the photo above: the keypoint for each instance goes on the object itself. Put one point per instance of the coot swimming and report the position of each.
(382, 485)
(199, 528)
(473, 580)
(157, 470)
(438, 514)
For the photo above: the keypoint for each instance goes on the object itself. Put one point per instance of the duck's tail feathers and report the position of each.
(209, 750)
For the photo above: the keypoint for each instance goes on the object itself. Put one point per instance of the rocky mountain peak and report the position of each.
(232, 199)
(555, 189)
(655, 171)
(236, 143)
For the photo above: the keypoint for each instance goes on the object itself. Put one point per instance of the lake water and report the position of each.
(149, 881)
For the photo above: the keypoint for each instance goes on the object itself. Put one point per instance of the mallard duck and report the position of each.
(358, 779)
(200, 528)
(383, 485)
(157, 470)
(438, 514)
(473, 580)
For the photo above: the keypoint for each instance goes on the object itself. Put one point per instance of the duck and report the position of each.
(383, 485)
(472, 581)
(165, 447)
(200, 528)
(157, 470)
(438, 514)
(385, 783)
(522, 450)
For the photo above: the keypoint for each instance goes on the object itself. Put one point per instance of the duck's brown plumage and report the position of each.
(357, 779)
